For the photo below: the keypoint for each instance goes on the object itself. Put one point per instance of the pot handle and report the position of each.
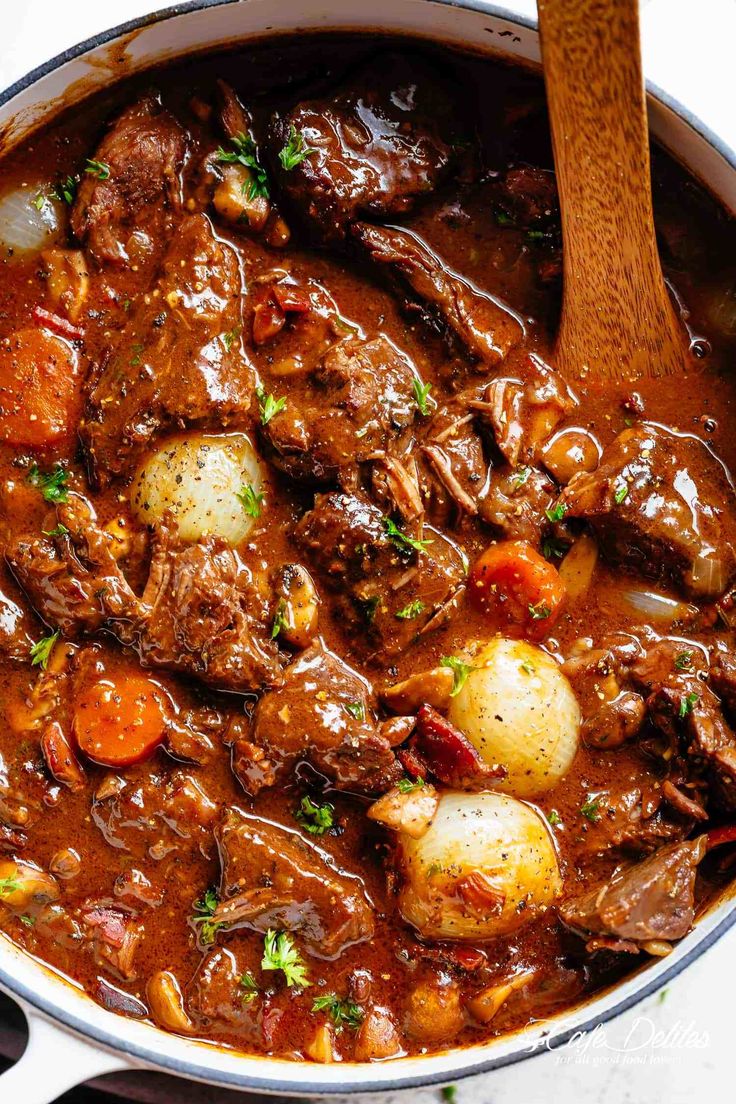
(54, 1060)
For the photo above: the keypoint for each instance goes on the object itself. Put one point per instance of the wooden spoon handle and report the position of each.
(618, 320)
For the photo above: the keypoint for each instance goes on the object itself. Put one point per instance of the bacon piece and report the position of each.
(449, 755)
(60, 758)
(291, 298)
(56, 324)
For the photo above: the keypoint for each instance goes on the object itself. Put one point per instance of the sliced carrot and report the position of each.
(120, 721)
(40, 389)
(513, 583)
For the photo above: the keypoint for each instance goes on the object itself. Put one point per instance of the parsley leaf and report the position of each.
(355, 709)
(449, 1093)
(409, 785)
(268, 406)
(8, 886)
(503, 218)
(244, 153)
(527, 667)
(279, 953)
(97, 168)
(421, 395)
(683, 661)
(340, 1011)
(520, 477)
(622, 492)
(412, 611)
(459, 669)
(280, 620)
(204, 909)
(39, 202)
(295, 150)
(553, 817)
(250, 986)
(65, 191)
(557, 512)
(686, 705)
(552, 548)
(58, 531)
(316, 819)
(590, 809)
(230, 337)
(52, 485)
(42, 649)
(251, 500)
(400, 540)
(539, 612)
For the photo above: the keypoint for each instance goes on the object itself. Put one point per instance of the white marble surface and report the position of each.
(676, 1048)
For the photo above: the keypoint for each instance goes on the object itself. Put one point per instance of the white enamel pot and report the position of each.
(71, 1038)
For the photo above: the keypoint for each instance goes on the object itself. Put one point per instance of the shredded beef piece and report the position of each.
(653, 899)
(374, 148)
(322, 713)
(653, 510)
(484, 328)
(352, 408)
(376, 577)
(137, 188)
(274, 879)
(171, 365)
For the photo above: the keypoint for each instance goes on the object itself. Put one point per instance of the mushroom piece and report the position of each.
(409, 812)
(167, 1003)
(433, 687)
(22, 884)
(297, 606)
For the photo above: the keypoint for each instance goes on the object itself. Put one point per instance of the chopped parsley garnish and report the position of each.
(412, 611)
(279, 619)
(527, 667)
(39, 202)
(459, 669)
(557, 512)
(434, 868)
(409, 785)
(355, 709)
(27, 921)
(52, 485)
(249, 985)
(370, 607)
(449, 1093)
(295, 150)
(42, 649)
(204, 910)
(552, 548)
(97, 168)
(58, 531)
(136, 350)
(621, 493)
(590, 809)
(553, 817)
(8, 886)
(535, 235)
(341, 1012)
(230, 337)
(268, 406)
(539, 612)
(520, 477)
(503, 218)
(244, 153)
(251, 500)
(316, 819)
(65, 191)
(421, 395)
(687, 704)
(400, 540)
(279, 953)
(683, 660)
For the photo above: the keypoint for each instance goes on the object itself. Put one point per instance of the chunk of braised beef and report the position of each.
(201, 614)
(528, 196)
(613, 712)
(523, 407)
(454, 472)
(650, 900)
(633, 818)
(275, 879)
(392, 585)
(516, 502)
(484, 329)
(216, 994)
(687, 711)
(322, 713)
(661, 504)
(447, 754)
(723, 681)
(172, 364)
(372, 149)
(18, 627)
(131, 189)
(354, 406)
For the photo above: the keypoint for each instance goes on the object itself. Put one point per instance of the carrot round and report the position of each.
(120, 721)
(512, 582)
(40, 389)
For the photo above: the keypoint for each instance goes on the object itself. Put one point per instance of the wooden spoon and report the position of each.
(618, 320)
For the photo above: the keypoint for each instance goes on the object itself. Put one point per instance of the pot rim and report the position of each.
(365, 1077)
